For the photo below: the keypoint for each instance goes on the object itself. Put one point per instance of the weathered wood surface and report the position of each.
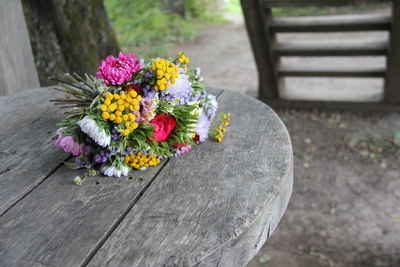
(17, 68)
(302, 3)
(371, 48)
(286, 70)
(215, 205)
(392, 83)
(197, 213)
(332, 23)
(27, 135)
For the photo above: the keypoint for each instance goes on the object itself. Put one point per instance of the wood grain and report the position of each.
(17, 68)
(302, 3)
(303, 49)
(287, 70)
(220, 200)
(60, 224)
(27, 137)
(332, 23)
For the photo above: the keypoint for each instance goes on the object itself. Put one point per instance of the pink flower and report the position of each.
(164, 124)
(146, 113)
(116, 71)
(68, 144)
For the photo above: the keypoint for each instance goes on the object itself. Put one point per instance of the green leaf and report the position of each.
(397, 138)
(72, 165)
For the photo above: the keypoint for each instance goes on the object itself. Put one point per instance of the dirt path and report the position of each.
(345, 207)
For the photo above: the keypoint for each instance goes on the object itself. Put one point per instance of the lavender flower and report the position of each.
(181, 90)
(202, 127)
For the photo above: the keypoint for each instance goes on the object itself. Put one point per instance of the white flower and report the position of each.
(212, 100)
(114, 171)
(198, 71)
(90, 127)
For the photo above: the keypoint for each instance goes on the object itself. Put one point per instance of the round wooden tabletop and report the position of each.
(216, 205)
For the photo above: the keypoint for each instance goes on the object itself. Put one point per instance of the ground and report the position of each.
(344, 210)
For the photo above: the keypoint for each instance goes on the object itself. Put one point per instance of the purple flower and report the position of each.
(149, 92)
(80, 162)
(181, 90)
(202, 127)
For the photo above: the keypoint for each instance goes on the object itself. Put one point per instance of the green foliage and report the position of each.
(233, 6)
(373, 146)
(396, 138)
(146, 28)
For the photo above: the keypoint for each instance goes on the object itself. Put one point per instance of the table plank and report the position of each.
(216, 205)
(27, 132)
(59, 224)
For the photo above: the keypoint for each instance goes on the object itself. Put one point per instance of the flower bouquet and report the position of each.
(135, 113)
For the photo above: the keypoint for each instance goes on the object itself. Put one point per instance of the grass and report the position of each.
(233, 6)
(145, 28)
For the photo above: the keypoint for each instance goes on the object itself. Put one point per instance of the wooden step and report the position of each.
(286, 71)
(303, 3)
(370, 48)
(337, 23)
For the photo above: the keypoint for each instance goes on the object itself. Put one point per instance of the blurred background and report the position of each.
(345, 207)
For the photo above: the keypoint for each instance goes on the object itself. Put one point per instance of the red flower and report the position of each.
(134, 86)
(164, 124)
(179, 145)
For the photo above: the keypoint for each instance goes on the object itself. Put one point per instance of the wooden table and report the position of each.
(216, 205)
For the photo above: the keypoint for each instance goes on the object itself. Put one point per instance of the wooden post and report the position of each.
(17, 67)
(261, 43)
(392, 83)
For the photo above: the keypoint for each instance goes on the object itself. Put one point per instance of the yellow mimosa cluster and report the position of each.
(118, 109)
(166, 73)
(183, 60)
(225, 118)
(140, 160)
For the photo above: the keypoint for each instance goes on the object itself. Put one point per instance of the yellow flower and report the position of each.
(107, 102)
(121, 108)
(103, 107)
(112, 107)
(105, 115)
(109, 96)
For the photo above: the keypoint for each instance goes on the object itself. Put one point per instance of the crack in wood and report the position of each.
(220, 257)
(108, 233)
(58, 166)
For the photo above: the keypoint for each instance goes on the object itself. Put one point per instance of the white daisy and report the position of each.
(99, 135)
(114, 171)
